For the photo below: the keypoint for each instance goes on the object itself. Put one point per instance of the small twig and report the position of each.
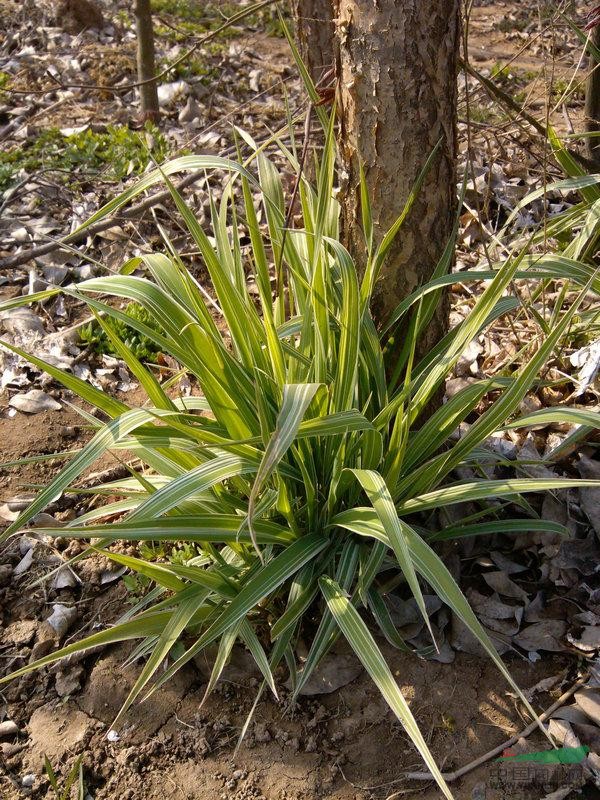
(131, 213)
(452, 776)
(504, 98)
(290, 214)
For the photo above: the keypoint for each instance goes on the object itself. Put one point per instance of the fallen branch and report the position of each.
(132, 213)
(452, 776)
(504, 98)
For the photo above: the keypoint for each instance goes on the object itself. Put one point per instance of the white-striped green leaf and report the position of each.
(296, 400)
(365, 647)
(396, 530)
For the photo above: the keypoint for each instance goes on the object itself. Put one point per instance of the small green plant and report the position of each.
(5, 80)
(117, 152)
(195, 18)
(501, 74)
(137, 585)
(123, 17)
(563, 90)
(98, 339)
(302, 479)
(195, 68)
(74, 780)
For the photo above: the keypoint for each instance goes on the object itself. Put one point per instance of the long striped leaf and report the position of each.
(265, 581)
(396, 530)
(296, 400)
(365, 647)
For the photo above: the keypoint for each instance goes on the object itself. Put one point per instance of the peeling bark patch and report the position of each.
(397, 96)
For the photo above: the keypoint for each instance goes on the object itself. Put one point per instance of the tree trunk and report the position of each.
(397, 78)
(145, 60)
(592, 104)
(314, 33)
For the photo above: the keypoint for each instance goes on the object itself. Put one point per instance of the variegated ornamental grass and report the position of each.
(308, 474)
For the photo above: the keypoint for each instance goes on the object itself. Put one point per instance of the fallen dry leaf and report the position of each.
(544, 635)
(34, 402)
(501, 583)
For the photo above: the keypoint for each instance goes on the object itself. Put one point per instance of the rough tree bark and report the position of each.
(397, 68)
(314, 33)
(145, 60)
(592, 104)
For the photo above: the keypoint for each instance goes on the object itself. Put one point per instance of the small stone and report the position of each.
(8, 728)
(27, 781)
(10, 749)
(62, 618)
(19, 633)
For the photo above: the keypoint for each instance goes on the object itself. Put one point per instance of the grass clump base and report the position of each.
(298, 485)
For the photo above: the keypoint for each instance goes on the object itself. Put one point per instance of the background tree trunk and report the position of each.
(397, 70)
(592, 104)
(314, 34)
(145, 60)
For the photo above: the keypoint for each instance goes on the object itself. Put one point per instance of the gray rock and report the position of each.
(62, 618)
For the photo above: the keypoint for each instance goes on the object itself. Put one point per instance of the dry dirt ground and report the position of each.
(345, 745)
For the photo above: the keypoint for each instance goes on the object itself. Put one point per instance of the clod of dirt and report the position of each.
(75, 16)
(108, 687)
(6, 572)
(55, 730)
(45, 641)
(19, 633)
(68, 682)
